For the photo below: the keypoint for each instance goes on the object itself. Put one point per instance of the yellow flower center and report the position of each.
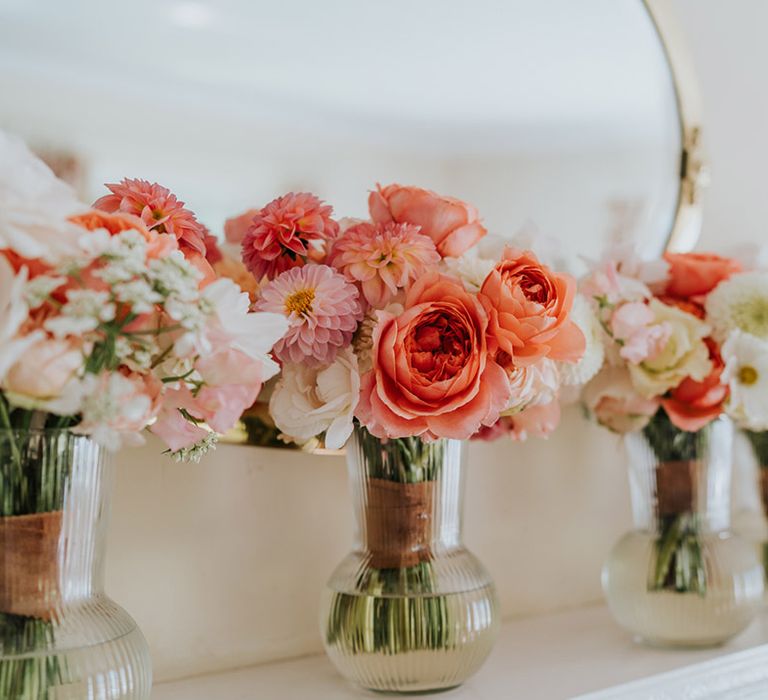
(747, 375)
(300, 302)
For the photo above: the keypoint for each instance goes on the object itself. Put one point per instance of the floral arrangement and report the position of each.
(405, 324)
(112, 319)
(685, 343)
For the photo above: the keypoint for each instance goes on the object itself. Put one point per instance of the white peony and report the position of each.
(739, 303)
(685, 353)
(574, 374)
(308, 401)
(746, 373)
(34, 206)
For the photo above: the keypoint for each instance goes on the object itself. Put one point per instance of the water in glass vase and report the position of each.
(61, 637)
(410, 610)
(682, 577)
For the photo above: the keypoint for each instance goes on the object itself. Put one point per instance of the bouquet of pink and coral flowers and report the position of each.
(405, 324)
(112, 320)
(685, 344)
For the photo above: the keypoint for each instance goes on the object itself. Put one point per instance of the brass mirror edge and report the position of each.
(686, 226)
(256, 429)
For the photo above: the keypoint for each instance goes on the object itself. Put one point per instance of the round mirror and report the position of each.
(554, 116)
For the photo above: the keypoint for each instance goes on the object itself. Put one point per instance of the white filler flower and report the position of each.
(739, 303)
(579, 373)
(746, 372)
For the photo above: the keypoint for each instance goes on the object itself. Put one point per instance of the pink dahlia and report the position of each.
(383, 258)
(323, 310)
(280, 234)
(158, 207)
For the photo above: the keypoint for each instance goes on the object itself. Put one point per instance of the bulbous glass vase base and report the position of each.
(663, 616)
(93, 650)
(390, 633)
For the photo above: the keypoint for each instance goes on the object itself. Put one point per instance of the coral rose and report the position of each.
(432, 375)
(529, 307)
(453, 225)
(694, 275)
(693, 404)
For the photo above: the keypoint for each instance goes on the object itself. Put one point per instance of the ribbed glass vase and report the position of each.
(755, 529)
(61, 637)
(410, 609)
(681, 577)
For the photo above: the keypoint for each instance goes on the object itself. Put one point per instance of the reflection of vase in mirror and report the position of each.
(681, 577)
(544, 112)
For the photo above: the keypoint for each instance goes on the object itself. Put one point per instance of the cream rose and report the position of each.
(43, 371)
(683, 355)
(309, 401)
(615, 404)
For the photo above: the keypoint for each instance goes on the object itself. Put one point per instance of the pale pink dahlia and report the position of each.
(158, 207)
(280, 234)
(323, 310)
(383, 258)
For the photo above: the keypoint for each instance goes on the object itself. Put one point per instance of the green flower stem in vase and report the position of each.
(758, 441)
(410, 609)
(679, 461)
(60, 635)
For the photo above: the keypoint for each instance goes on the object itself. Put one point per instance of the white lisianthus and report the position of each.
(685, 354)
(308, 401)
(114, 410)
(574, 374)
(35, 206)
(252, 333)
(739, 303)
(746, 373)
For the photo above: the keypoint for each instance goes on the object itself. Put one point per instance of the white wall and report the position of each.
(223, 563)
(728, 44)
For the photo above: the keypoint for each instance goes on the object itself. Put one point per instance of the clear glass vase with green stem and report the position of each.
(682, 577)
(61, 637)
(410, 609)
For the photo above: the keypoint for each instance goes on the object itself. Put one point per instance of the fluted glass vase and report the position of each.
(410, 609)
(61, 637)
(681, 577)
(756, 529)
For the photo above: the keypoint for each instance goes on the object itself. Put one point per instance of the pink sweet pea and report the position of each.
(641, 338)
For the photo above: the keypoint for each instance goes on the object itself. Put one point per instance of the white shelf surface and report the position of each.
(555, 657)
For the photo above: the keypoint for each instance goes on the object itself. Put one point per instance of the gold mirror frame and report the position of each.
(694, 175)
(253, 429)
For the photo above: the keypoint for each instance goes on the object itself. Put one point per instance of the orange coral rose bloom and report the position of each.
(694, 275)
(454, 226)
(529, 307)
(432, 375)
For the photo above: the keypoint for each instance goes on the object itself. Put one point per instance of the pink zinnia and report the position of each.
(323, 310)
(158, 207)
(383, 258)
(280, 234)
